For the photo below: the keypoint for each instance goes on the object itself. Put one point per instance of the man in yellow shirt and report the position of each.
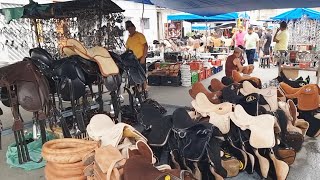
(138, 44)
(281, 38)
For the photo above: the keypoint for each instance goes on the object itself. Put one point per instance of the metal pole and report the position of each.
(36, 31)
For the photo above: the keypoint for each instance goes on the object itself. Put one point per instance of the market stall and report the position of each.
(303, 28)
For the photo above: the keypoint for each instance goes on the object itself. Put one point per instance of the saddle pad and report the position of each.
(109, 159)
(222, 122)
(261, 127)
(98, 125)
(269, 94)
(97, 54)
(202, 105)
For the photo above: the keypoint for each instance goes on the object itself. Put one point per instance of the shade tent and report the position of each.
(297, 13)
(196, 18)
(185, 17)
(200, 27)
(214, 7)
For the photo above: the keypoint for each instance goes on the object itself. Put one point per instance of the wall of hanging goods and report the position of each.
(15, 39)
(91, 30)
(304, 48)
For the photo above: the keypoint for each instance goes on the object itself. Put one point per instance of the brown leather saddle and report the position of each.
(198, 87)
(307, 96)
(238, 78)
(29, 89)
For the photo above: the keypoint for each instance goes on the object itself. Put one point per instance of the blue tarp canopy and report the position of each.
(196, 18)
(200, 27)
(298, 13)
(214, 7)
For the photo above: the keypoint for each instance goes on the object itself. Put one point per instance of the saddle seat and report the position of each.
(261, 127)
(216, 85)
(212, 96)
(202, 105)
(269, 94)
(307, 96)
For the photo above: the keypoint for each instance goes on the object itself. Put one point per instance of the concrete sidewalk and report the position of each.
(306, 166)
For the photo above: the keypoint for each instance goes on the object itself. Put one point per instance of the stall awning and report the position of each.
(200, 27)
(61, 9)
(298, 13)
(214, 7)
(196, 18)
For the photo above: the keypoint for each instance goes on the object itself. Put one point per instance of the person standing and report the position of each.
(239, 38)
(138, 44)
(281, 38)
(266, 47)
(251, 41)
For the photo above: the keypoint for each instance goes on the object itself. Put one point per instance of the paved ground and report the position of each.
(306, 166)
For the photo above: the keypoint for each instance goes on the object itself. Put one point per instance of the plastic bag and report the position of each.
(34, 148)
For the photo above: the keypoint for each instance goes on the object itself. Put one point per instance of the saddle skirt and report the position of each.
(32, 88)
(269, 94)
(222, 122)
(261, 127)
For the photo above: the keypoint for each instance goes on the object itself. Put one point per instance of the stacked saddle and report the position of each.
(261, 131)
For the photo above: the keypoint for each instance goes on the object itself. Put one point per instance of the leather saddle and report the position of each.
(135, 71)
(295, 83)
(31, 87)
(81, 71)
(261, 127)
(198, 87)
(269, 94)
(157, 127)
(238, 78)
(307, 96)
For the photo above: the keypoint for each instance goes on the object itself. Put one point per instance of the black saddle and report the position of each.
(192, 137)
(230, 94)
(251, 104)
(157, 127)
(135, 72)
(296, 83)
(70, 75)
